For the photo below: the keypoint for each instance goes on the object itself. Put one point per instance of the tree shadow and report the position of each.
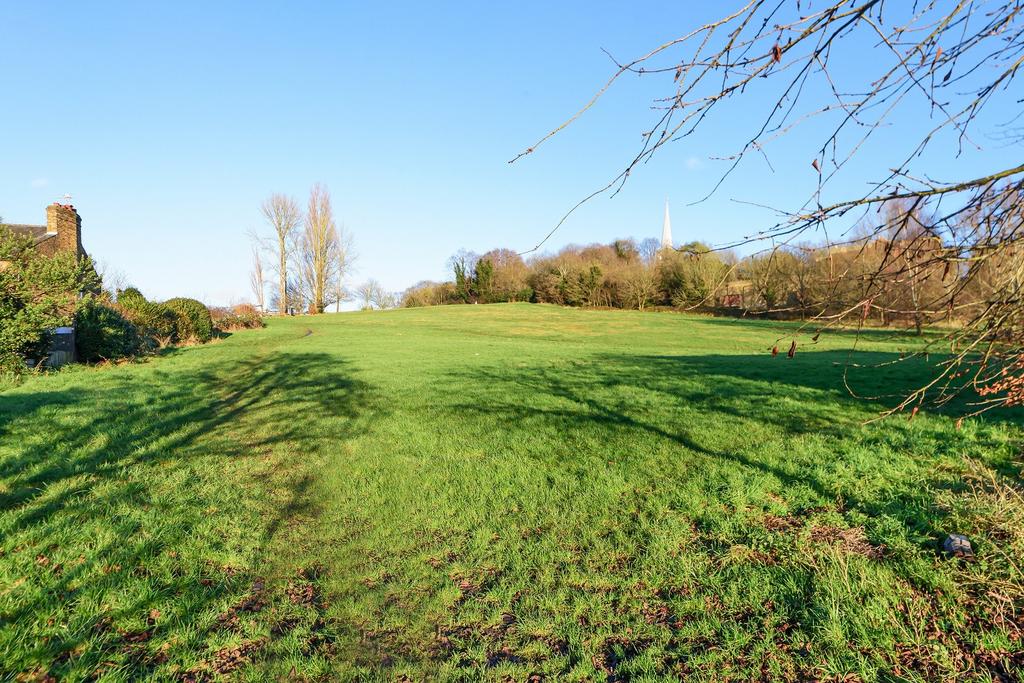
(874, 334)
(112, 491)
(873, 380)
(708, 404)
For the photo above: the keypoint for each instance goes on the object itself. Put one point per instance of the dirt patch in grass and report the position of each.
(784, 523)
(224, 661)
(255, 601)
(851, 540)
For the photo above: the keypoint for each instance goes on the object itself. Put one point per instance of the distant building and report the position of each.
(62, 232)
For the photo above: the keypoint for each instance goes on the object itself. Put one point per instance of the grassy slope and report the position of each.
(480, 492)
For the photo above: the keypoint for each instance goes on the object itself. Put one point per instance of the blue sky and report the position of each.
(170, 122)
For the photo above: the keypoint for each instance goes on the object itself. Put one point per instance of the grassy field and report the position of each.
(500, 493)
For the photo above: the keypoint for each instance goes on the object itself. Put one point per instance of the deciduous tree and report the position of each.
(372, 295)
(319, 247)
(284, 216)
(259, 289)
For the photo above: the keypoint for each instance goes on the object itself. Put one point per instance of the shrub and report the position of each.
(129, 296)
(247, 316)
(37, 294)
(192, 319)
(245, 310)
(155, 322)
(240, 317)
(103, 333)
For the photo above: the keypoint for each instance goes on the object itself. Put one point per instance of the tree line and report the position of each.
(892, 277)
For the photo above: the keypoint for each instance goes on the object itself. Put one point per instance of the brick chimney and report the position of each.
(63, 220)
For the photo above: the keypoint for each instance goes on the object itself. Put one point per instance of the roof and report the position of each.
(36, 232)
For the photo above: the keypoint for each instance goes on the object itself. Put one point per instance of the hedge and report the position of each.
(192, 319)
(156, 322)
(103, 333)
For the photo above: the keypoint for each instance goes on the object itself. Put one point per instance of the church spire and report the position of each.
(666, 229)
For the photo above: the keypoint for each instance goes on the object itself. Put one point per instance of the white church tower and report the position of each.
(666, 229)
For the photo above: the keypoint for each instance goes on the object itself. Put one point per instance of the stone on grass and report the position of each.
(957, 545)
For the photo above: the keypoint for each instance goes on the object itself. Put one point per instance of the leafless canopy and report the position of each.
(947, 65)
(372, 295)
(284, 216)
(318, 253)
(256, 280)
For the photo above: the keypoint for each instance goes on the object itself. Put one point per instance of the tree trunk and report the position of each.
(283, 265)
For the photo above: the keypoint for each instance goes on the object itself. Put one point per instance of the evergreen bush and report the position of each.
(192, 319)
(103, 333)
(157, 323)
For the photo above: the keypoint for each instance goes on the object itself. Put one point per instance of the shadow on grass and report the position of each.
(904, 334)
(109, 494)
(717, 442)
(872, 380)
(697, 402)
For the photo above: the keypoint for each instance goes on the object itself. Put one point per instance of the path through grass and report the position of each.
(499, 492)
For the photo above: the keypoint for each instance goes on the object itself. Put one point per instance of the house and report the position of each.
(61, 234)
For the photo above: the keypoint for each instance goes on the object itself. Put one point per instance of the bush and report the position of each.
(240, 317)
(157, 323)
(192, 319)
(129, 296)
(103, 333)
(245, 310)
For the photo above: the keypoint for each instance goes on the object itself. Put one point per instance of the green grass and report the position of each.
(495, 492)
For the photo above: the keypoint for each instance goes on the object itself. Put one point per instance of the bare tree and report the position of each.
(952, 59)
(372, 295)
(344, 258)
(649, 249)
(341, 293)
(770, 276)
(114, 279)
(319, 249)
(509, 276)
(284, 216)
(256, 279)
(385, 299)
(296, 297)
(641, 286)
